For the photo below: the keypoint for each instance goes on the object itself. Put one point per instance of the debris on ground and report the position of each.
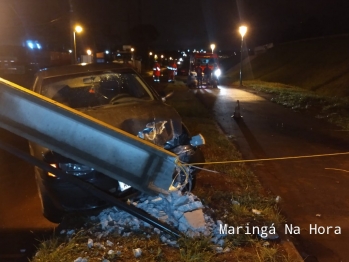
(137, 252)
(183, 211)
(256, 211)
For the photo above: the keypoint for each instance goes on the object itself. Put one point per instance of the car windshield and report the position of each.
(95, 89)
(205, 61)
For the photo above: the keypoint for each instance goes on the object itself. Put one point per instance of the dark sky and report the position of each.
(180, 23)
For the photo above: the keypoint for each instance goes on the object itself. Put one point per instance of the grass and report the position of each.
(318, 65)
(331, 108)
(310, 76)
(230, 194)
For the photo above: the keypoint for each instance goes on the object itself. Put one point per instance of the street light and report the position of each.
(132, 53)
(212, 47)
(242, 30)
(77, 29)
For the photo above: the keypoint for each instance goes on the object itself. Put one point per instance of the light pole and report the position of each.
(242, 30)
(77, 29)
(149, 62)
(213, 47)
(133, 57)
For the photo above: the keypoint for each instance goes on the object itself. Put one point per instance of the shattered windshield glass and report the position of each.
(95, 89)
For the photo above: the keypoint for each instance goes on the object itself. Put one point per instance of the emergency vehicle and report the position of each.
(203, 59)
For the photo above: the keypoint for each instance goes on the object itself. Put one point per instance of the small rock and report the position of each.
(219, 249)
(137, 252)
(256, 211)
(277, 199)
(90, 243)
(226, 250)
(234, 202)
(109, 243)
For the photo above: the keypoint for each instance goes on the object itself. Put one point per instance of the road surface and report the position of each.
(314, 191)
(21, 220)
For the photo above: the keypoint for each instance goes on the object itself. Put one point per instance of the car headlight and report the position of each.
(218, 72)
(75, 169)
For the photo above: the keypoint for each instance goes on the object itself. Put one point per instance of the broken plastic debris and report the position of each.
(137, 252)
(318, 215)
(256, 211)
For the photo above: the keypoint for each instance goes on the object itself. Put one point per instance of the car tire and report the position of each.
(50, 211)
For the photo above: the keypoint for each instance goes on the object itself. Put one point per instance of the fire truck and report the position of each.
(203, 59)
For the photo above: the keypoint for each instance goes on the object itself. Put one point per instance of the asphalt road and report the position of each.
(21, 222)
(314, 191)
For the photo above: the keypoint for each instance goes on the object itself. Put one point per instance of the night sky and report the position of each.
(173, 23)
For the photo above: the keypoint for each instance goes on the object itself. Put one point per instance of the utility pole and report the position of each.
(139, 12)
(71, 30)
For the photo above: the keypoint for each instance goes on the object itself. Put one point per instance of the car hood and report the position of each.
(151, 120)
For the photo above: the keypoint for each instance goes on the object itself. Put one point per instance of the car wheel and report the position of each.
(49, 210)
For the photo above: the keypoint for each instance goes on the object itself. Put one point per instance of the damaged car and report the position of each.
(117, 95)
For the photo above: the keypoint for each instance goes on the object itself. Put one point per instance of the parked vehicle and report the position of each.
(116, 95)
(17, 60)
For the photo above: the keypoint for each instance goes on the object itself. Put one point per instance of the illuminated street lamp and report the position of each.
(212, 47)
(77, 29)
(89, 52)
(132, 53)
(242, 30)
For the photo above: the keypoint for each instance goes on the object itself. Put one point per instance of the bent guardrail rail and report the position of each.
(75, 135)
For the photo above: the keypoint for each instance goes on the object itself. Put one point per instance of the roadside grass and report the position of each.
(319, 65)
(334, 109)
(310, 76)
(231, 192)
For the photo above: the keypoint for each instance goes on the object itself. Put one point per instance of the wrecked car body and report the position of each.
(119, 97)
